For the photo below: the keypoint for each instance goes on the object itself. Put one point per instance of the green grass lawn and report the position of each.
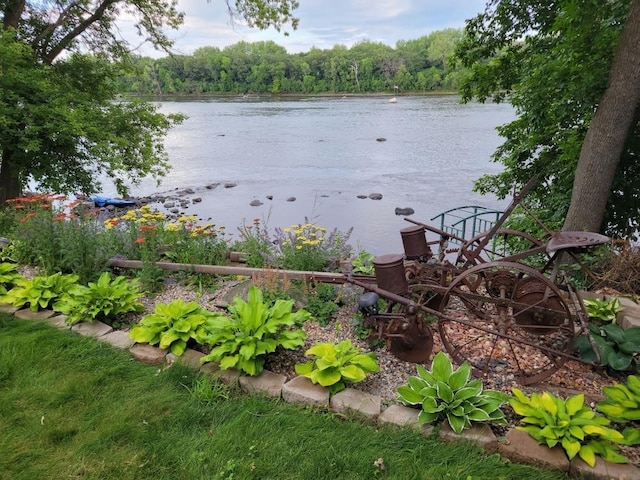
(75, 408)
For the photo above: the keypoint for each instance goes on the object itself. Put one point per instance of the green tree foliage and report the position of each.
(551, 59)
(264, 67)
(59, 125)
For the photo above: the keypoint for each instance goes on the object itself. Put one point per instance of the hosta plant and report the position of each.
(254, 329)
(336, 365)
(363, 263)
(605, 310)
(617, 347)
(9, 276)
(569, 423)
(622, 402)
(447, 394)
(172, 325)
(39, 292)
(104, 299)
(622, 405)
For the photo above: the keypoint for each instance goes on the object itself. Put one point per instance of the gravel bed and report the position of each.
(572, 378)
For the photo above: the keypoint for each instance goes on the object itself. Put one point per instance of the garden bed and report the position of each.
(574, 377)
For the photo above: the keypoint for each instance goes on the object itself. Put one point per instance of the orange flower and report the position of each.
(140, 240)
(27, 216)
(147, 228)
(60, 217)
(256, 220)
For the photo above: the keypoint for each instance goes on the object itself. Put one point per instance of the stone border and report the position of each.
(517, 445)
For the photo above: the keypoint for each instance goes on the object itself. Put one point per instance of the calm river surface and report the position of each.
(325, 152)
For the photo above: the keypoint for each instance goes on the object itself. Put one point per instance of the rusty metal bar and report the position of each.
(327, 277)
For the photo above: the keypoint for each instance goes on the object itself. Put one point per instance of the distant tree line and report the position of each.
(419, 65)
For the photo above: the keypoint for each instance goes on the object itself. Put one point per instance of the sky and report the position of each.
(323, 23)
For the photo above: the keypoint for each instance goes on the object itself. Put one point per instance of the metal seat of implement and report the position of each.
(575, 240)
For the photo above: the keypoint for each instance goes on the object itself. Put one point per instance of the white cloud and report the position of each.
(323, 23)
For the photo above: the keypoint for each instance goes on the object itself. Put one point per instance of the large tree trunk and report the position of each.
(9, 181)
(608, 131)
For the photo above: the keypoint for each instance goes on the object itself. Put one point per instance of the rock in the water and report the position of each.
(269, 197)
(197, 200)
(175, 210)
(375, 196)
(405, 211)
(291, 199)
(362, 196)
(211, 186)
(230, 185)
(255, 203)
(381, 139)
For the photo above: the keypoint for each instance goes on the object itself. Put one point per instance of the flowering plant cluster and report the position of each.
(310, 247)
(56, 234)
(151, 235)
(303, 246)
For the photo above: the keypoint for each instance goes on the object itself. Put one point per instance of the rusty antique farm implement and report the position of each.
(490, 309)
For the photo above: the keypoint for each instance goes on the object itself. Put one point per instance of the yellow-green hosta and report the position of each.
(335, 365)
(578, 429)
(622, 402)
(39, 292)
(9, 276)
(254, 329)
(104, 299)
(172, 325)
(603, 309)
(622, 405)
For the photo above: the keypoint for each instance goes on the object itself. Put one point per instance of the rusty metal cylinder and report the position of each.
(415, 245)
(390, 273)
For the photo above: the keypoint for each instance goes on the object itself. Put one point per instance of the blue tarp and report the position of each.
(116, 202)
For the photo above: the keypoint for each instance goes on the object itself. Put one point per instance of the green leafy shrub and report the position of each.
(605, 310)
(321, 303)
(622, 405)
(172, 325)
(40, 292)
(616, 346)
(447, 394)
(253, 330)
(578, 429)
(9, 276)
(335, 365)
(104, 299)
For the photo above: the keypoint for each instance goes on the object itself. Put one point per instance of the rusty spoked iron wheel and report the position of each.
(515, 321)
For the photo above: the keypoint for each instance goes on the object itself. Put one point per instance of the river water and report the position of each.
(421, 152)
